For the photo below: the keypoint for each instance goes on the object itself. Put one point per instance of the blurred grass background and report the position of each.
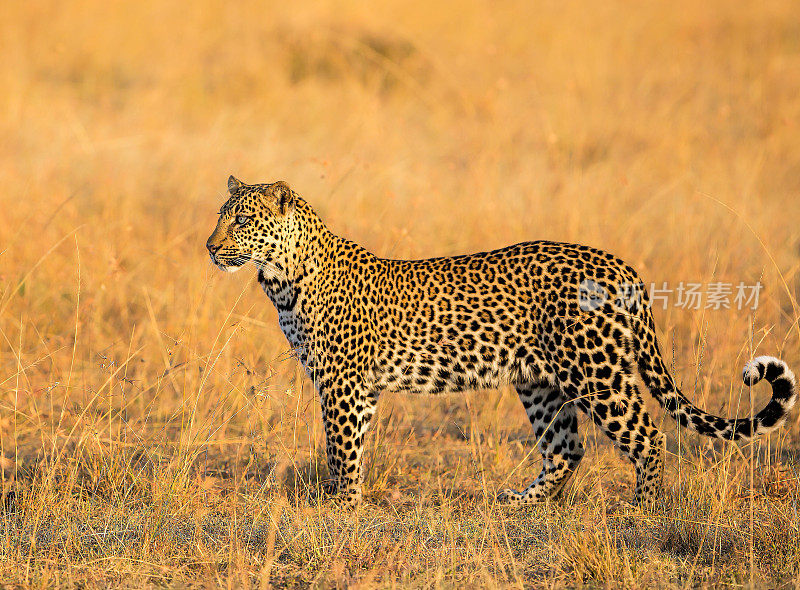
(154, 427)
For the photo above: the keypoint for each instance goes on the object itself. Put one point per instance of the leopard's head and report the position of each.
(255, 225)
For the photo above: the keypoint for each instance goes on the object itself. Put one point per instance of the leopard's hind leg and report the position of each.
(605, 386)
(627, 423)
(555, 425)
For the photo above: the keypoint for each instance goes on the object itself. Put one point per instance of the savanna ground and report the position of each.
(156, 430)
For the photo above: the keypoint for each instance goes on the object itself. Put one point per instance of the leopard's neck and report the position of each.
(301, 284)
(291, 287)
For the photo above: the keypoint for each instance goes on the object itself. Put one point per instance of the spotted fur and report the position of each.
(361, 324)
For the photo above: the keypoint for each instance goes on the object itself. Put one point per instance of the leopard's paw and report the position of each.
(508, 497)
(325, 490)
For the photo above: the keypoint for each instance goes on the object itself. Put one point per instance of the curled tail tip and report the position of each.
(765, 366)
(780, 376)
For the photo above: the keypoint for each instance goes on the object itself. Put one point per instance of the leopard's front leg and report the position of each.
(346, 411)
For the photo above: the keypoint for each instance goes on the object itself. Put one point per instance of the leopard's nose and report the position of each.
(213, 247)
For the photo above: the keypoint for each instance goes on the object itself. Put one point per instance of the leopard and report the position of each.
(563, 324)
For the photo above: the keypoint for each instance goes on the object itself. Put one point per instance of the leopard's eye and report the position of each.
(242, 219)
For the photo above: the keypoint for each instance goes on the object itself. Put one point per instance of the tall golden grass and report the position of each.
(156, 431)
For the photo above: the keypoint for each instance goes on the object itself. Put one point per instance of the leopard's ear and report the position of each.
(233, 184)
(283, 196)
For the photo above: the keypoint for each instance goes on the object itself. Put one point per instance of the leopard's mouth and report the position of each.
(230, 263)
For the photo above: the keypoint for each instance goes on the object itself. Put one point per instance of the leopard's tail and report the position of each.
(784, 395)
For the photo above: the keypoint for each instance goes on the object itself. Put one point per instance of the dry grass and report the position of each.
(155, 430)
